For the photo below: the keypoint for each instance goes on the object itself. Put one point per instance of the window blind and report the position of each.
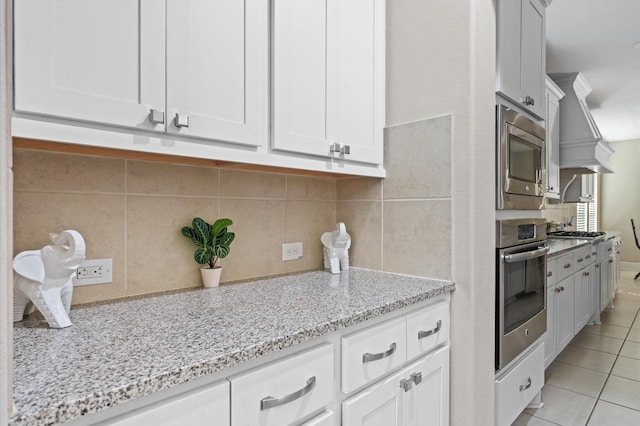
(587, 213)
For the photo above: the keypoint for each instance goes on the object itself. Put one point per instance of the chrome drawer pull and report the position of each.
(181, 120)
(270, 402)
(156, 116)
(580, 260)
(527, 386)
(423, 334)
(416, 377)
(567, 265)
(586, 274)
(549, 274)
(368, 357)
(588, 256)
(405, 385)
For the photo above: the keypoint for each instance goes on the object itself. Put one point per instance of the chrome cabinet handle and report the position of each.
(580, 260)
(270, 402)
(405, 385)
(527, 386)
(586, 274)
(519, 257)
(528, 100)
(549, 274)
(156, 116)
(558, 290)
(567, 266)
(609, 249)
(422, 333)
(610, 260)
(588, 256)
(416, 377)
(334, 147)
(346, 150)
(181, 120)
(368, 357)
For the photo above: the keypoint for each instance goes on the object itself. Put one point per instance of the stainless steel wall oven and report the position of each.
(521, 284)
(521, 161)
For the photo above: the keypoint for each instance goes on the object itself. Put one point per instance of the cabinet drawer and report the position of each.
(427, 328)
(325, 419)
(372, 353)
(194, 408)
(552, 272)
(566, 266)
(518, 386)
(582, 261)
(284, 391)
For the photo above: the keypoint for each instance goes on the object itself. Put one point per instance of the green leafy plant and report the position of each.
(213, 240)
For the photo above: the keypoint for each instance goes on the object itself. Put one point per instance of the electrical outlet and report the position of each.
(291, 251)
(94, 271)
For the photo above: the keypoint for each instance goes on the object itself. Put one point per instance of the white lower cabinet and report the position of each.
(516, 388)
(328, 418)
(563, 304)
(195, 408)
(285, 391)
(416, 395)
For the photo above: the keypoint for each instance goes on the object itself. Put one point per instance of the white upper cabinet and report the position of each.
(521, 54)
(328, 78)
(97, 61)
(104, 62)
(217, 69)
(552, 96)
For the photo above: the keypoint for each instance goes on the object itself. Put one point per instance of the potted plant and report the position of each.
(213, 243)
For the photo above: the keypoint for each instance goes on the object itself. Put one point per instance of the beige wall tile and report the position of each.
(236, 183)
(310, 188)
(145, 177)
(363, 220)
(48, 171)
(361, 188)
(100, 220)
(159, 257)
(417, 238)
(306, 222)
(418, 159)
(260, 231)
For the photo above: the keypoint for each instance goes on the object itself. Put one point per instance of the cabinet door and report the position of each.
(550, 335)
(586, 190)
(508, 46)
(553, 146)
(194, 408)
(381, 404)
(563, 305)
(217, 69)
(582, 299)
(532, 55)
(427, 403)
(328, 77)
(91, 60)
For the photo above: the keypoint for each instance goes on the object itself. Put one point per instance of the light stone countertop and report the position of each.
(558, 246)
(119, 351)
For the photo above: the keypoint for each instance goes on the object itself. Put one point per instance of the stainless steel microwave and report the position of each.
(521, 161)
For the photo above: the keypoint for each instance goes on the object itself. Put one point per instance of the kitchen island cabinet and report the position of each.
(120, 359)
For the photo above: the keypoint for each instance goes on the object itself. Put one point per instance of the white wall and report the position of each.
(620, 196)
(441, 60)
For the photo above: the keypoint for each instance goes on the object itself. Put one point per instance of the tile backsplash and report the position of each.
(132, 211)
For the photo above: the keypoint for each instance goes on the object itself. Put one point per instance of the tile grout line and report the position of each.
(613, 365)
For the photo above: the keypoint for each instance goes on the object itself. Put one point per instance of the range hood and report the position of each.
(582, 149)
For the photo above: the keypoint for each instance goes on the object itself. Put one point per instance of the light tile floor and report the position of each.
(595, 381)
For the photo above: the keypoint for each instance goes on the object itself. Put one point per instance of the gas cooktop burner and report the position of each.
(575, 234)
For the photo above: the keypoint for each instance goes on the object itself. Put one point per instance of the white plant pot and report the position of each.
(211, 277)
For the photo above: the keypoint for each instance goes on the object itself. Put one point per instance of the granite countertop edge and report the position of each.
(72, 409)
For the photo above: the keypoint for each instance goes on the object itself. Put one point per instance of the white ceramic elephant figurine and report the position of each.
(336, 249)
(44, 278)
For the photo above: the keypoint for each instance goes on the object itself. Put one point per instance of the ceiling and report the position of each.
(597, 38)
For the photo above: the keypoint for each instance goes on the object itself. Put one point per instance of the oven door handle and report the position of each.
(528, 255)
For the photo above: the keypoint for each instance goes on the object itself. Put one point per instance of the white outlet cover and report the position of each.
(107, 268)
(292, 251)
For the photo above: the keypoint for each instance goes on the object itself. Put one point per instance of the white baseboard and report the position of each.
(633, 266)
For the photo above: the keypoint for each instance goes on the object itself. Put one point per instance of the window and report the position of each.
(588, 212)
